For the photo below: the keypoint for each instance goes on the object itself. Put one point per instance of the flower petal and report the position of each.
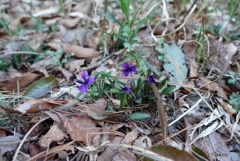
(90, 79)
(83, 87)
(125, 65)
(133, 68)
(125, 72)
(84, 75)
(78, 81)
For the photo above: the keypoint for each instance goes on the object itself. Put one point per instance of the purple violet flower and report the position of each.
(128, 69)
(151, 79)
(126, 89)
(86, 81)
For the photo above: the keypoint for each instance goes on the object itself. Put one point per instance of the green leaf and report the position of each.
(139, 116)
(154, 70)
(168, 89)
(123, 99)
(114, 90)
(142, 65)
(112, 18)
(162, 83)
(235, 98)
(199, 154)
(41, 87)
(175, 63)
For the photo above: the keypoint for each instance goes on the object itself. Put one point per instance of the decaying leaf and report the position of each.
(24, 80)
(175, 63)
(97, 110)
(8, 143)
(80, 128)
(33, 106)
(69, 22)
(54, 134)
(79, 51)
(212, 86)
(229, 109)
(173, 153)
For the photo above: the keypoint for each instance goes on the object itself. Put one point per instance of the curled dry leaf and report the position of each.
(79, 51)
(229, 109)
(124, 155)
(213, 87)
(32, 106)
(110, 151)
(80, 128)
(54, 134)
(23, 80)
(130, 136)
(97, 110)
(69, 22)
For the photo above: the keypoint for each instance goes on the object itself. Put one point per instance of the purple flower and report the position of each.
(128, 69)
(126, 89)
(86, 81)
(151, 79)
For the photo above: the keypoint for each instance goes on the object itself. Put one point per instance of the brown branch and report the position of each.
(161, 112)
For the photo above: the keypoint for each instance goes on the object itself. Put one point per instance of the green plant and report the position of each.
(56, 57)
(235, 97)
(129, 26)
(4, 63)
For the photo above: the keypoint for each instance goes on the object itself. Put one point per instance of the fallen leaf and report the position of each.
(124, 155)
(69, 22)
(229, 109)
(80, 128)
(54, 134)
(8, 143)
(68, 75)
(34, 149)
(212, 86)
(143, 142)
(41, 87)
(97, 109)
(173, 153)
(79, 51)
(33, 106)
(25, 80)
(130, 136)
(110, 151)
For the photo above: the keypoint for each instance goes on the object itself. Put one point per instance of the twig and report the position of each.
(25, 137)
(161, 112)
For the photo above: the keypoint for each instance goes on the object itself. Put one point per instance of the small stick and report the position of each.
(161, 112)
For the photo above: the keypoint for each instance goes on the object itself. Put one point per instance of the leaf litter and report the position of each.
(41, 119)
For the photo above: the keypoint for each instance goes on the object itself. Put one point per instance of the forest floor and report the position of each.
(119, 80)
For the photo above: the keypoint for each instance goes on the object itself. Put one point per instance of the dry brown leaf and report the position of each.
(143, 142)
(69, 22)
(23, 80)
(79, 51)
(68, 75)
(97, 109)
(54, 134)
(75, 65)
(14, 24)
(32, 106)
(80, 128)
(130, 136)
(8, 143)
(213, 87)
(229, 109)
(34, 149)
(124, 155)
(110, 151)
